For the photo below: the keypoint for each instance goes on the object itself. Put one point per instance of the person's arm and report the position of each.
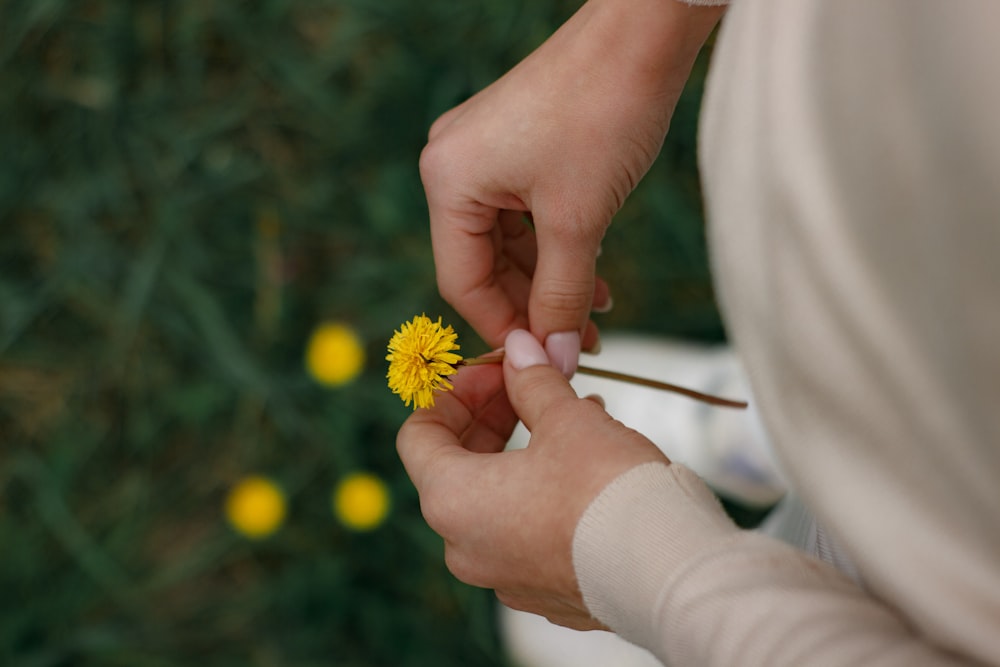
(659, 563)
(592, 527)
(507, 518)
(565, 136)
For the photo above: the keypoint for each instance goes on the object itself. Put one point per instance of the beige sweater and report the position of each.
(851, 159)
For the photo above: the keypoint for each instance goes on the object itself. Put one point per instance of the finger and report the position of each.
(462, 235)
(483, 419)
(473, 417)
(481, 391)
(563, 285)
(467, 271)
(518, 241)
(563, 348)
(590, 342)
(443, 121)
(514, 261)
(602, 301)
(533, 385)
(429, 436)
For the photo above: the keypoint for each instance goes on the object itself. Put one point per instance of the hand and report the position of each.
(565, 136)
(508, 518)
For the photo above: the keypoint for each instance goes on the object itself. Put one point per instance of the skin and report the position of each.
(565, 136)
(507, 518)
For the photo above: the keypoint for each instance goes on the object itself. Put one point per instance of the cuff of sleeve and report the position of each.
(635, 536)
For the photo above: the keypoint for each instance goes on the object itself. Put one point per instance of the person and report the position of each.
(850, 157)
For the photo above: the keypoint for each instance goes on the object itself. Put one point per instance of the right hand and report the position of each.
(565, 136)
(508, 517)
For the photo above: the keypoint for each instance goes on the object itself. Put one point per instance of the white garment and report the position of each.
(851, 159)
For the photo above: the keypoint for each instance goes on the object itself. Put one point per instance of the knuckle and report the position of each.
(438, 125)
(533, 380)
(434, 513)
(443, 121)
(454, 293)
(565, 296)
(584, 219)
(440, 160)
(404, 436)
(431, 160)
(406, 439)
(572, 414)
(438, 512)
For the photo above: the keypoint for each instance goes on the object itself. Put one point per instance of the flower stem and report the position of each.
(488, 358)
(497, 357)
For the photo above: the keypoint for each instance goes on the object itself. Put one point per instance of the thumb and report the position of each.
(562, 289)
(534, 386)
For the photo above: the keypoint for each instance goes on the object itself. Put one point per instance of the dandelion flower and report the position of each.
(255, 507)
(361, 501)
(334, 354)
(421, 356)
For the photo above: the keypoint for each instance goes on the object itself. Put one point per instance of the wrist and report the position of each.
(656, 41)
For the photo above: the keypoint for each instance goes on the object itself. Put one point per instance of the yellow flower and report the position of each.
(334, 355)
(255, 507)
(421, 356)
(361, 501)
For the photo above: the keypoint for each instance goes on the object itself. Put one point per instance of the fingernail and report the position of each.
(606, 306)
(563, 349)
(523, 350)
(595, 348)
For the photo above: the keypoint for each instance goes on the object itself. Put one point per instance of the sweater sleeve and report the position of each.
(661, 564)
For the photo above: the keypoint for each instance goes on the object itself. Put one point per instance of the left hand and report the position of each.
(508, 518)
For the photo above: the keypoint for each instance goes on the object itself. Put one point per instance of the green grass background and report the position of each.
(186, 190)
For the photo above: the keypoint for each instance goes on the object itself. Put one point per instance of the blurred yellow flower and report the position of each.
(334, 354)
(255, 507)
(361, 501)
(421, 355)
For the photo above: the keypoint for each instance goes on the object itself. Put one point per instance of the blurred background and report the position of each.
(211, 222)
